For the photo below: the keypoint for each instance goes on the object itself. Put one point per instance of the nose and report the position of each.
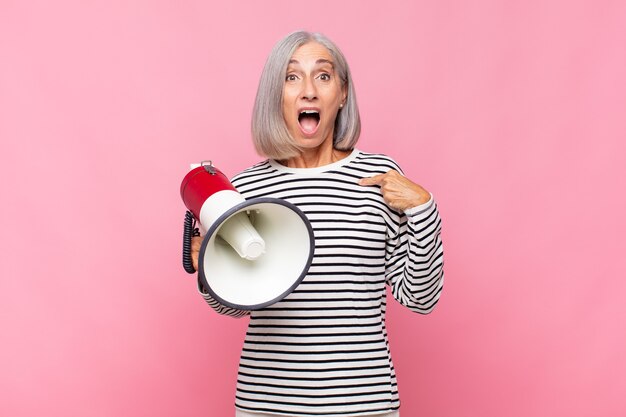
(309, 91)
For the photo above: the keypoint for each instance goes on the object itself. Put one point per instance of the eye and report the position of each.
(324, 77)
(291, 77)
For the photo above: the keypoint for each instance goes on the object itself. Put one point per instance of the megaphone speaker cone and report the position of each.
(251, 264)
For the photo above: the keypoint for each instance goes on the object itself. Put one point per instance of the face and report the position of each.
(312, 96)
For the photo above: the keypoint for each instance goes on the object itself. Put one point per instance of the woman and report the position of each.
(323, 350)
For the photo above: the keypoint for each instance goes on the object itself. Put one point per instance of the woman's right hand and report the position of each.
(196, 242)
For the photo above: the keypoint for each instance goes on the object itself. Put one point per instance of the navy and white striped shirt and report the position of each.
(323, 350)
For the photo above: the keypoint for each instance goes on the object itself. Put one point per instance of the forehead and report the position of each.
(311, 52)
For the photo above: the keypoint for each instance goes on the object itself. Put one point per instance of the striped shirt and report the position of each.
(323, 350)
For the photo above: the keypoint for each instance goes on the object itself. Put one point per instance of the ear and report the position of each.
(344, 93)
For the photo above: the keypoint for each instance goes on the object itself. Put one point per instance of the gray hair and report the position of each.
(269, 131)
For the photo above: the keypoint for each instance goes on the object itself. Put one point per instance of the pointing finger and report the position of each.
(375, 180)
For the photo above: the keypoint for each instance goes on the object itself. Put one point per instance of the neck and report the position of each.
(316, 157)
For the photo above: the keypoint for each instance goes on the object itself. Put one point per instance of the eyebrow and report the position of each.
(319, 61)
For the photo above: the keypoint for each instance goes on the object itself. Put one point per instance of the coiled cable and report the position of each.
(189, 230)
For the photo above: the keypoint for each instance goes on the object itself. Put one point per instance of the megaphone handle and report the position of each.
(189, 230)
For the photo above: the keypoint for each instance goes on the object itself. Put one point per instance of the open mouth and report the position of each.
(309, 120)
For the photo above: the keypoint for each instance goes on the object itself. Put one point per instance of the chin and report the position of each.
(309, 143)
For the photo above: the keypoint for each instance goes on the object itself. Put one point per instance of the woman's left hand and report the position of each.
(398, 191)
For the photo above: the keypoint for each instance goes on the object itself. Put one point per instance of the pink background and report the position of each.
(513, 113)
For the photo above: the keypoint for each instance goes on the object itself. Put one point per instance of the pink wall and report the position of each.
(511, 112)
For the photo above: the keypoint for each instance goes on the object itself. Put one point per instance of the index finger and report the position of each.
(375, 180)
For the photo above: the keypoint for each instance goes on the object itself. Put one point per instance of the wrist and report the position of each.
(420, 203)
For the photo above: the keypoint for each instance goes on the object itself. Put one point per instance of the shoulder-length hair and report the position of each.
(269, 131)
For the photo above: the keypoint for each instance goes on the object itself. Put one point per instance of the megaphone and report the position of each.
(254, 252)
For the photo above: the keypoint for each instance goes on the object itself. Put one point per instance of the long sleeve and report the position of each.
(218, 307)
(414, 258)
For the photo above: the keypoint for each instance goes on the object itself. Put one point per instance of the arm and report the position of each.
(414, 251)
(414, 259)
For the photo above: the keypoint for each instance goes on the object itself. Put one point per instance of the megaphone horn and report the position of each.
(255, 252)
